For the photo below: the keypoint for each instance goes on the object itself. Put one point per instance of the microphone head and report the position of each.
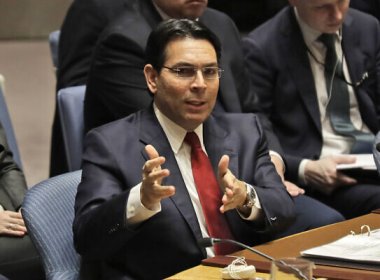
(205, 242)
(378, 147)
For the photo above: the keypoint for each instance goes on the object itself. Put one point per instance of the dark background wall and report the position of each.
(248, 14)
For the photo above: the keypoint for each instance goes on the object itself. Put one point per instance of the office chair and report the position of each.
(7, 125)
(376, 152)
(70, 107)
(53, 43)
(48, 211)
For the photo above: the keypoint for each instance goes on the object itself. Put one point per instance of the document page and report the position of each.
(354, 247)
(363, 161)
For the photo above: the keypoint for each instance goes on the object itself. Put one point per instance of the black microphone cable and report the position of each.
(210, 241)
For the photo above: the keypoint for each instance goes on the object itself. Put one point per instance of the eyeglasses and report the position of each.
(189, 72)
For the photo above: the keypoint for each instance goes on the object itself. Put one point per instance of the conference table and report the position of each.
(291, 246)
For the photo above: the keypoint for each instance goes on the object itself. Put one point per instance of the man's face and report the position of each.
(190, 9)
(325, 16)
(187, 101)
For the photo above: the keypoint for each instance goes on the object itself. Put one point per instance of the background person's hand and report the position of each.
(293, 189)
(323, 175)
(12, 224)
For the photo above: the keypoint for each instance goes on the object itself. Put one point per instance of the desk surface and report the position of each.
(290, 247)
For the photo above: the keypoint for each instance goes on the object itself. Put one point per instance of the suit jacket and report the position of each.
(371, 7)
(83, 23)
(12, 180)
(116, 84)
(282, 80)
(167, 242)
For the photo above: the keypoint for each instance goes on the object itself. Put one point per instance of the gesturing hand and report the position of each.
(235, 192)
(152, 192)
(11, 223)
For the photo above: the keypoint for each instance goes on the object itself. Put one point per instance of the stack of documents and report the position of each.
(359, 248)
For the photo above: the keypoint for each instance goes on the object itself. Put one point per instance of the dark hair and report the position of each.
(172, 29)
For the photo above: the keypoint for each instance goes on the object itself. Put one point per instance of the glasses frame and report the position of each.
(176, 71)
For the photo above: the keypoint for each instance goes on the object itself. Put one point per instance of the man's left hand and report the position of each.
(235, 192)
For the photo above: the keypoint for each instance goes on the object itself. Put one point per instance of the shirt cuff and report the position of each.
(136, 212)
(301, 171)
(277, 155)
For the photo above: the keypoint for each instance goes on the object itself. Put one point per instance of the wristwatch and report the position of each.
(251, 197)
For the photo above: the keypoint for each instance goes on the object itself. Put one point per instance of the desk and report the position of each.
(290, 247)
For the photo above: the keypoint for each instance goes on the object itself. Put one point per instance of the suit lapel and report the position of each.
(357, 65)
(298, 65)
(152, 133)
(219, 142)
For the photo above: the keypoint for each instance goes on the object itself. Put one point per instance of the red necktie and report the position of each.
(209, 195)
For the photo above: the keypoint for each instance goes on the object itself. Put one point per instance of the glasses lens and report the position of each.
(186, 72)
(211, 72)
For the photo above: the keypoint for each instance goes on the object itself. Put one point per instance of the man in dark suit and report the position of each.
(138, 213)
(286, 62)
(18, 257)
(83, 23)
(116, 85)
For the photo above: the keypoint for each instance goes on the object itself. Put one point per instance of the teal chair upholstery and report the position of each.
(70, 107)
(48, 211)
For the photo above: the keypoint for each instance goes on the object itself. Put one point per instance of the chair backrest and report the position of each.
(48, 211)
(53, 43)
(376, 152)
(70, 107)
(7, 125)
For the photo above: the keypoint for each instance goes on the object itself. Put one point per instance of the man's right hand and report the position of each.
(152, 192)
(323, 175)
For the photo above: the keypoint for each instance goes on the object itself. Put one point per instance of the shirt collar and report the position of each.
(175, 133)
(310, 35)
(163, 15)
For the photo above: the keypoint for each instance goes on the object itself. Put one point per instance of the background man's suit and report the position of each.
(369, 6)
(168, 240)
(84, 22)
(116, 84)
(283, 82)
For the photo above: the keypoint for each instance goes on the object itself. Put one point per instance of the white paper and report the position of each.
(360, 248)
(363, 161)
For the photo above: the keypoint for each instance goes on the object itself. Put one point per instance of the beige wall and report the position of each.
(30, 19)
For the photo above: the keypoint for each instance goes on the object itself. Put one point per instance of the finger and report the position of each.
(151, 151)
(156, 176)
(340, 159)
(14, 230)
(345, 180)
(223, 165)
(153, 164)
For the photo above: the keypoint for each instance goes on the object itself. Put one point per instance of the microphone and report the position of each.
(210, 241)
